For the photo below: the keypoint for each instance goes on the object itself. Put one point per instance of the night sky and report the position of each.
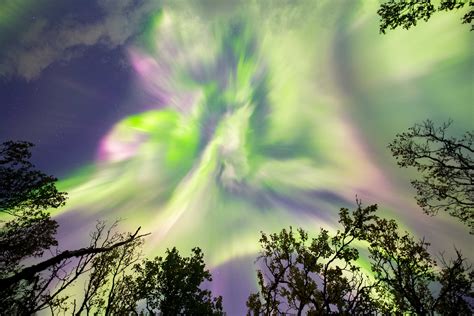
(206, 122)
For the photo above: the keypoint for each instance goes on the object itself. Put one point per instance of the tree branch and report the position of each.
(29, 272)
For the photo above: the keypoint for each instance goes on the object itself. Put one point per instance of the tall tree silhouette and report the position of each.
(446, 168)
(28, 232)
(407, 274)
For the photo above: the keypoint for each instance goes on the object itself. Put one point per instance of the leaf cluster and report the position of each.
(406, 13)
(403, 267)
(171, 285)
(24, 187)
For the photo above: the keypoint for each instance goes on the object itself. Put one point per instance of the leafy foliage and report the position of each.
(321, 276)
(119, 282)
(170, 285)
(24, 187)
(27, 235)
(403, 267)
(407, 274)
(317, 276)
(446, 166)
(406, 13)
(25, 194)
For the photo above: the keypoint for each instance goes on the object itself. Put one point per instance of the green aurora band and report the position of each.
(269, 115)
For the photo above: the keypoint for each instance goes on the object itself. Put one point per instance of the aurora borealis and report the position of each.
(206, 122)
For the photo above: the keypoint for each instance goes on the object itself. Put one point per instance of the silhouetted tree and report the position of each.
(406, 274)
(165, 286)
(317, 276)
(39, 286)
(456, 279)
(22, 186)
(116, 280)
(406, 13)
(321, 276)
(25, 195)
(446, 166)
(404, 268)
(171, 285)
(27, 232)
(27, 229)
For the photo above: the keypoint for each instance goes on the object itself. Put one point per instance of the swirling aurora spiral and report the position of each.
(253, 126)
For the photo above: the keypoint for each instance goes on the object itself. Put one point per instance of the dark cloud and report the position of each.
(47, 41)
